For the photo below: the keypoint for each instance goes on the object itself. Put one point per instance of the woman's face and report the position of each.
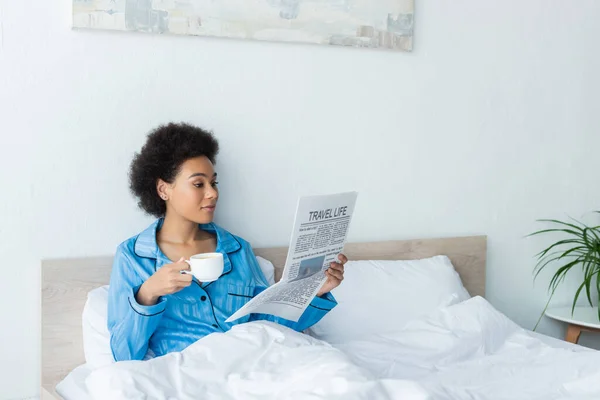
(194, 194)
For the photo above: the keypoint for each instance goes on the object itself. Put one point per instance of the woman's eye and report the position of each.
(201, 184)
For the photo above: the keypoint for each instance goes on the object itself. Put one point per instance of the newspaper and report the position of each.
(320, 231)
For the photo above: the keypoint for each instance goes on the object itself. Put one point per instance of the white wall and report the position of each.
(490, 123)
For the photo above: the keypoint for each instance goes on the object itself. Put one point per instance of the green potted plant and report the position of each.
(579, 247)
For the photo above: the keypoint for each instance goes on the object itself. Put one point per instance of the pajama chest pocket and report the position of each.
(237, 296)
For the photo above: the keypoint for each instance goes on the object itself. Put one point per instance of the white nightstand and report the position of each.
(583, 319)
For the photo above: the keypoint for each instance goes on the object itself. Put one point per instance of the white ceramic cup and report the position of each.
(206, 267)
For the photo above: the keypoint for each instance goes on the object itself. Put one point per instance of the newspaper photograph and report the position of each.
(319, 234)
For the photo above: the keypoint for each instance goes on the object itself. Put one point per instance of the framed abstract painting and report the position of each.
(386, 24)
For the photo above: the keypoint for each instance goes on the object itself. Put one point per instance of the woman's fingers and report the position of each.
(180, 265)
(336, 274)
(337, 267)
(185, 284)
(184, 278)
(343, 259)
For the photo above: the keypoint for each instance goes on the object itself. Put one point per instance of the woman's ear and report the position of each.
(163, 189)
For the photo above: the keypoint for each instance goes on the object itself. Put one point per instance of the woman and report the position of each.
(152, 305)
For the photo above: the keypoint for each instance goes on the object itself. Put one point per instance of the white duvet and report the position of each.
(466, 351)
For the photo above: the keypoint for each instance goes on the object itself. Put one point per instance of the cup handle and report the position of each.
(183, 271)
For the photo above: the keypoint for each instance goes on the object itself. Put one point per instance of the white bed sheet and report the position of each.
(465, 351)
(472, 351)
(73, 386)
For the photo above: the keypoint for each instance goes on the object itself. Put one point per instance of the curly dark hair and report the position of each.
(166, 149)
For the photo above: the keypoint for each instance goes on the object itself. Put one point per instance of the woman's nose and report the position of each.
(212, 193)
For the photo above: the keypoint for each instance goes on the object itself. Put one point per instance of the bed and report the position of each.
(67, 282)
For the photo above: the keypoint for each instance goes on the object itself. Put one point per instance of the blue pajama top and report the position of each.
(179, 319)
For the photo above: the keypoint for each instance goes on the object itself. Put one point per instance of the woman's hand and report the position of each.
(335, 275)
(166, 280)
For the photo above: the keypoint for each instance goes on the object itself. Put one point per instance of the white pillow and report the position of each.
(96, 337)
(382, 296)
(268, 269)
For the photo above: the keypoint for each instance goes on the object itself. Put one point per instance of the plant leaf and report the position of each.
(593, 231)
(586, 272)
(598, 287)
(577, 228)
(576, 297)
(569, 231)
(586, 238)
(544, 311)
(577, 221)
(544, 262)
(594, 259)
(590, 270)
(562, 271)
(560, 242)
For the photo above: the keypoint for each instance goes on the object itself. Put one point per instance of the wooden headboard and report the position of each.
(66, 282)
